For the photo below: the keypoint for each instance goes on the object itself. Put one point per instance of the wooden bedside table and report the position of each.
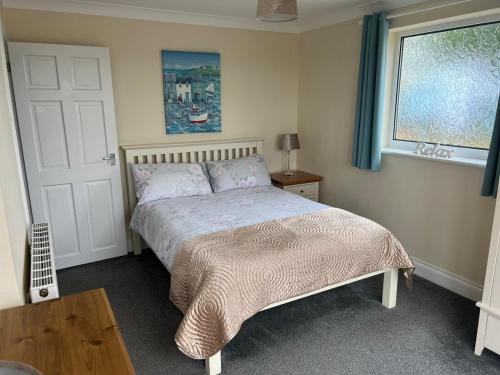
(302, 183)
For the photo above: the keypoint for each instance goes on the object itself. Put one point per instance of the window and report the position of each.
(447, 88)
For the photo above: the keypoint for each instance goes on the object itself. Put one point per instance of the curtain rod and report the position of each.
(437, 5)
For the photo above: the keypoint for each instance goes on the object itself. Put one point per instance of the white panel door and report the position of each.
(64, 101)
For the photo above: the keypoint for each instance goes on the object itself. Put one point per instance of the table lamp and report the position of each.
(288, 143)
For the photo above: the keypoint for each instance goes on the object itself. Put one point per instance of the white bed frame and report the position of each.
(188, 152)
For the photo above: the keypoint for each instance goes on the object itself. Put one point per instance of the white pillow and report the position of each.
(169, 180)
(238, 173)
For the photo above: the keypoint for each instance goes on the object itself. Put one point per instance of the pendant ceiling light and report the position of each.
(277, 10)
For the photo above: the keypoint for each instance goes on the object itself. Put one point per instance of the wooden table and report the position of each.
(298, 178)
(71, 335)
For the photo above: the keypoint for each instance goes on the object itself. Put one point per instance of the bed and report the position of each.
(251, 227)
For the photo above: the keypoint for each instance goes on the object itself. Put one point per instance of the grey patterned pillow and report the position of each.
(238, 173)
(169, 180)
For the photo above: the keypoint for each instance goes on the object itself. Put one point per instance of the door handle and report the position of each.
(110, 159)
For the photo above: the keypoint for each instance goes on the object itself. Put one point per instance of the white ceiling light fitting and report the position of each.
(277, 10)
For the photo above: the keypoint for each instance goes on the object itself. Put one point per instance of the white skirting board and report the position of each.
(448, 280)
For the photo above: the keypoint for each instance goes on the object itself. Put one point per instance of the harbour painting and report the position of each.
(191, 87)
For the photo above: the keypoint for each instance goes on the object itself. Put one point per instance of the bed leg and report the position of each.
(390, 288)
(136, 244)
(213, 364)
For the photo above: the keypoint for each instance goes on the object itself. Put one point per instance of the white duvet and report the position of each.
(166, 223)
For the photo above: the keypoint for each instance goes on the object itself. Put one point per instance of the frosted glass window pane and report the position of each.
(449, 83)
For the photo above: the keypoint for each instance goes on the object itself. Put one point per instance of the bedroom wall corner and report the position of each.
(434, 208)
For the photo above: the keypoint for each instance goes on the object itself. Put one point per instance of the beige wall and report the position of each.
(433, 207)
(10, 293)
(259, 72)
(13, 222)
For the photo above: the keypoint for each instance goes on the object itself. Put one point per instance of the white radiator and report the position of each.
(43, 285)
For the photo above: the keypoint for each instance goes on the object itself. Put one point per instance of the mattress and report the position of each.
(165, 224)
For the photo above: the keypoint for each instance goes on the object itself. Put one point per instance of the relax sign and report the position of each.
(434, 150)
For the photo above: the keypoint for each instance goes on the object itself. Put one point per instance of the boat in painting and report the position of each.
(198, 115)
(210, 90)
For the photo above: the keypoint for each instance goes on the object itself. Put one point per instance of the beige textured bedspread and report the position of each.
(221, 279)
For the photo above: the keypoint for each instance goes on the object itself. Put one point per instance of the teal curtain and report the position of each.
(366, 150)
(490, 181)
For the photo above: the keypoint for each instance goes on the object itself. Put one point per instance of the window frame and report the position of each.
(393, 146)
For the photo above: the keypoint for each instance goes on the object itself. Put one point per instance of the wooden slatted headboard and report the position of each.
(183, 152)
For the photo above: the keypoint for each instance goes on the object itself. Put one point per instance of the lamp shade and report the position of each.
(289, 142)
(277, 10)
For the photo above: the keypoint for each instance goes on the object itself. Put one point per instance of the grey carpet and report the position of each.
(343, 331)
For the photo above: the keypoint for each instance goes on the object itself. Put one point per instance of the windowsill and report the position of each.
(454, 160)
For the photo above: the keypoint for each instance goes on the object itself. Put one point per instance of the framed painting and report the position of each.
(191, 87)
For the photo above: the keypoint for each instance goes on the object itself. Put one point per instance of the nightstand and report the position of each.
(302, 183)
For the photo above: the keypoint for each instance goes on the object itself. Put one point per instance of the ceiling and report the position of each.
(313, 14)
(234, 8)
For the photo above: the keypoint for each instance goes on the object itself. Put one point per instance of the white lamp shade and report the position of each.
(277, 10)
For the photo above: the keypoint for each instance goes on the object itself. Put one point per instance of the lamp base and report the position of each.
(288, 173)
